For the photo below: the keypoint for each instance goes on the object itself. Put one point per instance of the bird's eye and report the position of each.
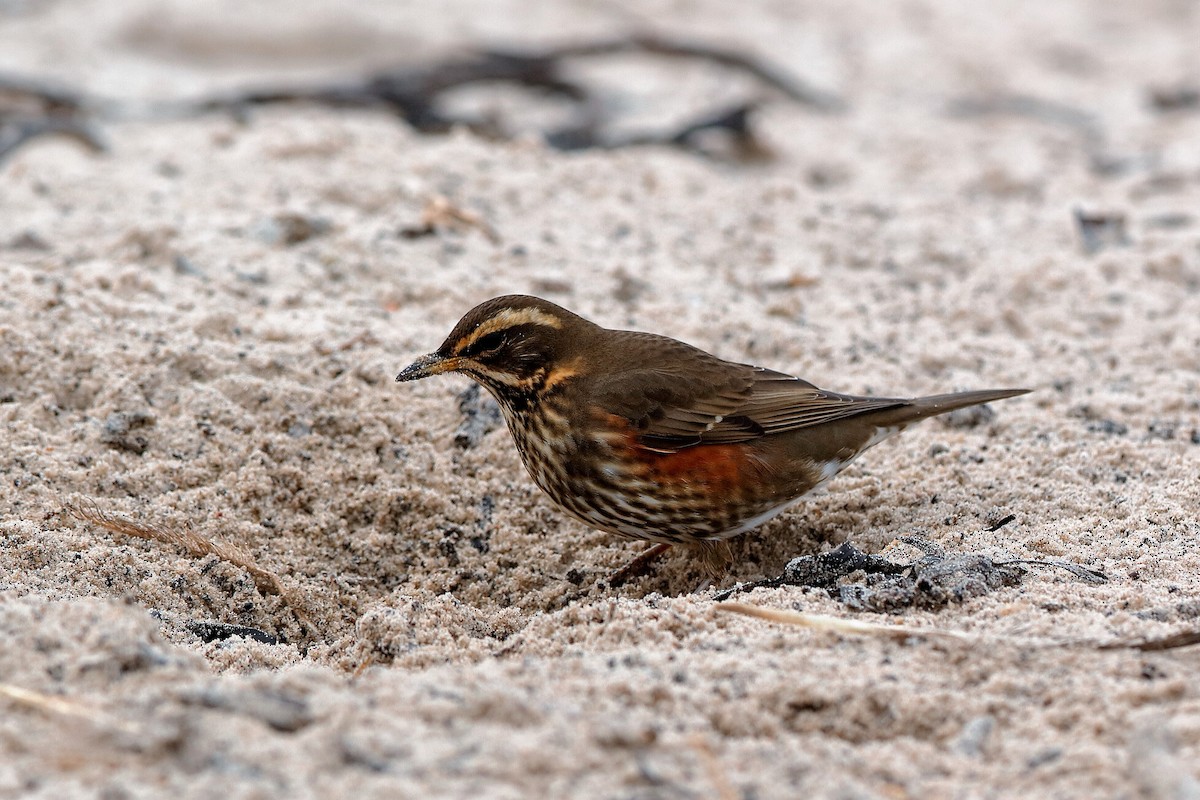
(488, 344)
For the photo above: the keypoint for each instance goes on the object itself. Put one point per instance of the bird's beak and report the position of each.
(423, 367)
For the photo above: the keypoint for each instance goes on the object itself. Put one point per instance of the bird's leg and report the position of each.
(714, 556)
(637, 566)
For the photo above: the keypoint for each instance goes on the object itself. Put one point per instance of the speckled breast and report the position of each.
(605, 479)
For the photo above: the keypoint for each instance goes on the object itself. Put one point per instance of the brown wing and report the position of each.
(690, 397)
(777, 403)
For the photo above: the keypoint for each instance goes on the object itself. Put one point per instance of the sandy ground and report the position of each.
(170, 353)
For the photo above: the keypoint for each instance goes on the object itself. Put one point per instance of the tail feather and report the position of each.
(923, 407)
(936, 404)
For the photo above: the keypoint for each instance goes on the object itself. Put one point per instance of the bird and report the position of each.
(648, 438)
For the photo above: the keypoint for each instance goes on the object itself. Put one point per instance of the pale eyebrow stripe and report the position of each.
(508, 318)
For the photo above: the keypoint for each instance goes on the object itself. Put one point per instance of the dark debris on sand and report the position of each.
(865, 582)
(416, 93)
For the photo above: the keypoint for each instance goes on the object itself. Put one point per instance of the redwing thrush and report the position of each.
(650, 438)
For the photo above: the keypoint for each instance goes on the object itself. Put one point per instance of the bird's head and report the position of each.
(512, 345)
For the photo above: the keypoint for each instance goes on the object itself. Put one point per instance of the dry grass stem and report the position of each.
(196, 545)
(855, 627)
(1172, 642)
(723, 787)
(49, 703)
(62, 707)
(440, 213)
(822, 622)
